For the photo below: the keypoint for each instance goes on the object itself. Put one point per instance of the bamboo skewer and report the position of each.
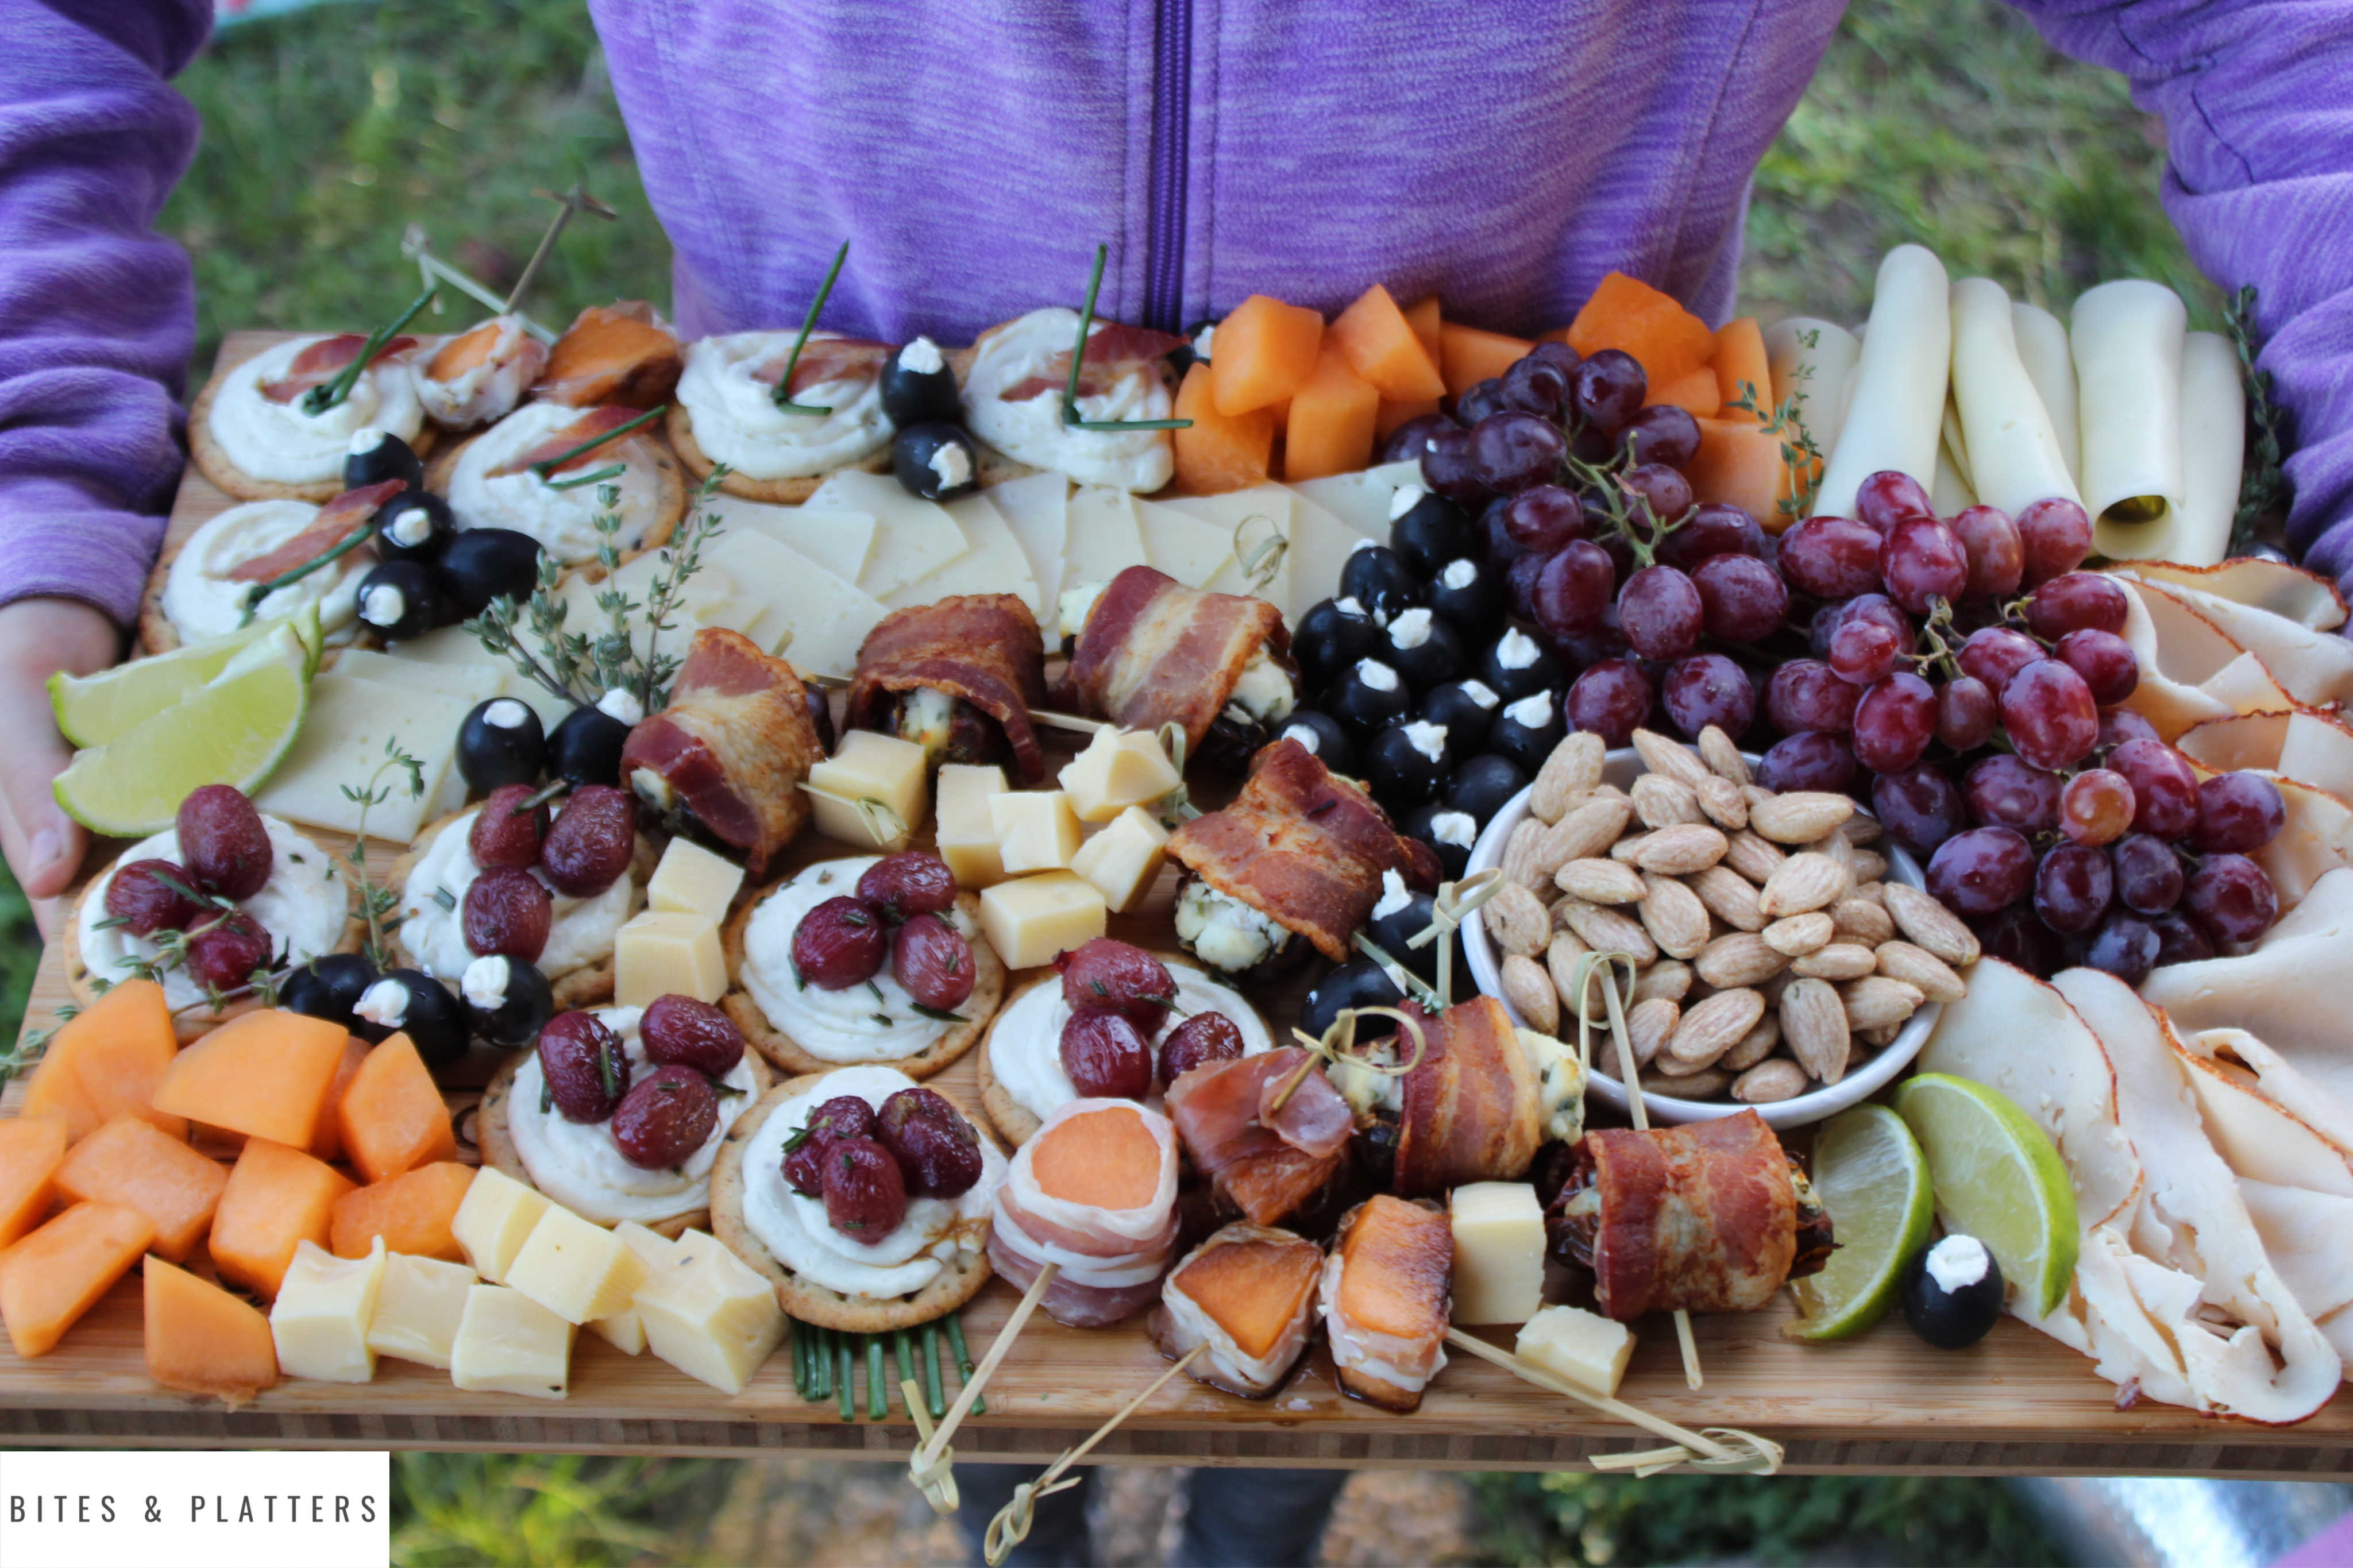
(932, 1467)
(1011, 1525)
(1722, 1449)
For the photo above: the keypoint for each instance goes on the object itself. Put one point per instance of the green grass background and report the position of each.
(327, 133)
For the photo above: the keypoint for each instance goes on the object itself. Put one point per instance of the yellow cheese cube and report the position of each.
(418, 1308)
(624, 1330)
(690, 880)
(968, 838)
(1030, 921)
(1499, 1242)
(320, 1319)
(494, 1220)
(1120, 768)
(1125, 858)
(876, 768)
(575, 1268)
(662, 952)
(508, 1343)
(708, 1315)
(1586, 1348)
(1036, 830)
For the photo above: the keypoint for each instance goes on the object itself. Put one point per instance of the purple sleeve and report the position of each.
(2259, 178)
(97, 312)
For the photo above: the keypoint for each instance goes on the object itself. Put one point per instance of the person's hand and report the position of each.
(38, 637)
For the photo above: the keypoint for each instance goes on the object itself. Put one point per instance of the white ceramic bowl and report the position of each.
(1622, 767)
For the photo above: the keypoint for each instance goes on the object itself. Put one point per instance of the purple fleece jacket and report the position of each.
(974, 152)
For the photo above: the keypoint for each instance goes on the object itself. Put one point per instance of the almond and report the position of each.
(1723, 757)
(1874, 1001)
(1929, 924)
(1805, 882)
(1728, 898)
(1756, 1044)
(1648, 1028)
(1600, 883)
(1528, 991)
(1673, 916)
(1775, 985)
(1800, 816)
(1705, 1084)
(1606, 930)
(1833, 847)
(1766, 1082)
(1709, 1029)
(1522, 855)
(1560, 961)
(1669, 978)
(1573, 769)
(1870, 866)
(1814, 1027)
(1628, 849)
(1919, 968)
(1838, 961)
(1740, 959)
(1860, 920)
(1587, 831)
(1754, 857)
(1673, 758)
(1515, 921)
(1877, 1039)
(1681, 849)
(1797, 935)
(1661, 802)
(1721, 802)
(1862, 828)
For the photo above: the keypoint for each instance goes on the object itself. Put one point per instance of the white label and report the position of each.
(132, 1508)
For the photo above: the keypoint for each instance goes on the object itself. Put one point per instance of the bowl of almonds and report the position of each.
(1789, 959)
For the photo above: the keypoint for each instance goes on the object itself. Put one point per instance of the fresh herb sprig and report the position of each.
(29, 1047)
(2263, 490)
(1801, 456)
(375, 902)
(1078, 361)
(784, 393)
(328, 394)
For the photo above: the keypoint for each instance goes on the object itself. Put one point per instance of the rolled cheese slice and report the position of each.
(1895, 411)
(1813, 361)
(2213, 445)
(1948, 492)
(2013, 453)
(2127, 340)
(1956, 441)
(2042, 349)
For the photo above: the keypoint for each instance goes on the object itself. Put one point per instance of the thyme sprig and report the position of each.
(2263, 490)
(1801, 456)
(328, 394)
(1078, 361)
(375, 902)
(784, 394)
(29, 1047)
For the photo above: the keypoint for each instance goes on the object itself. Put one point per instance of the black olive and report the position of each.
(1424, 650)
(586, 747)
(1190, 353)
(820, 712)
(1449, 830)
(1368, 698)
(411, 1003)
(401, 599)
(501, 743)
(1528, 730)
(918, 387)
(329, 987)
(1959, 1318)
(1332, 635)
(935, 461)
(1359, 983)
(1394, 932)
(1517, 665)
(1466, 707)
(1469, 595)
(1377, 578)
(1485, 785)
(1229, 745)
(525, 1001)
(1430, 532)
(384, 456)
(1407, 764)
(484, 563)
(414, 525)
(1321, 734)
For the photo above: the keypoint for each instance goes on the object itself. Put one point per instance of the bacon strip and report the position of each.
(325, 531)
(981, 647)
(556, 443)
(1268, 1172)
(612, 353)
(1702, 1216)
(1155, 652)
(1471, 1112)
(1113, 350)
(1303, 847)
(826, 359)
(732, 747)
(321, 362)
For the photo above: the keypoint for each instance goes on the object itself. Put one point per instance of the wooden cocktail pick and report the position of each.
(574, 200)
(1719, 1450)
(932, 1467)
(1011, 1525)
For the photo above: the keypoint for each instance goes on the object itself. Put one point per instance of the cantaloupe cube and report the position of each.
(1216, 453)
(202, 1340)
(327, 1143)
(30, 1152)
(1331, 428)
(1399, 1258)
(1423, 317)
(1741, 368)
(1467, 356)
(276, 1197)
(1628, 314)
(412, 1212)
(128, 1161)
(1393, 415)
(1254, 1290)
(1739, 465)
(264, 1074)
(392, 1116)
(52, 1277)
(1263, 351)
(1694, 392)
(108, 1059)
(1382, 346)
(1104, 1158)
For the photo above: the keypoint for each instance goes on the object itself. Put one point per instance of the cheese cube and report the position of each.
(872, 767)
(418, 1308)
(494, 1220)
(624, 1330)
(574, 1268)
(968, 838)
(508, 1343)
(662, 952)
(321, 1318)
(1499, 1243)
(1123, 860)
(1586, 1348)
(1030, 921)
(708, 1315)
(1036, 830)
(1120, 768)
(690, 880)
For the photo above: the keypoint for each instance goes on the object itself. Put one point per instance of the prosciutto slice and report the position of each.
(479, 375)
(327, 530)
(1113, 350)
(1247, 1294)
(981, 648)
(824, 359)
(1471, 1111)
(556, 443)
(1268, 1170)
(1303, 847)
(612, 353)
(1155, 652)
(1109, 1258)
(1386, 1299)
(321, 362)
(731, 749)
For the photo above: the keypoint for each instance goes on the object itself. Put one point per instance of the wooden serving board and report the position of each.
(2018, 1402)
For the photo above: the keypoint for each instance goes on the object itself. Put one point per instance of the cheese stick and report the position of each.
(2042, 349)
(1824, 352)
(2214, 442)
(2128, 338)
(1949, 492)
(1955, 440)
(1896, 408)
(2013, 454)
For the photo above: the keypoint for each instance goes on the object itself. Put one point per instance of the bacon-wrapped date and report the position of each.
(1155, 652)
(731, 749)
(958, 677)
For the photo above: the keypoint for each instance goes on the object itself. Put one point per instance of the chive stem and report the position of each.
(808, 324)
(823, 1351)
(1078, 360)
(845, 1378)
(963, 1360)
(598, 477)
(878, 1396)
(800, 1357)
(544, 468)
(934, 1396)
(327, 394)
(360, 534)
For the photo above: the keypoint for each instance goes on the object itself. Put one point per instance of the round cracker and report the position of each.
(494, 1135)
(782, 1049)
(215, 464)
(1015, 1122)
(780, 492)
(671, 505)
(955, 1284)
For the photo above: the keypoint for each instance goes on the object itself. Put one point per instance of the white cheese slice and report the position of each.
(2014, 455)
(1320, 543)
(1896, 408)
(912, 538)
(418, 1308)
(708, 1315)
(343, 742)
(2041, 340)
(508, 1343)
(838, 540)
(1187, 548)
(703, 601)
(993, 562)
(2213, 446)
(791, 605)
(1104, 537)
(1824, 352)
(1037, 508)
(2128, 338)
(624, 1330)
(1262, 512)
(320, 1319)
(452, 646)
(1362, 500)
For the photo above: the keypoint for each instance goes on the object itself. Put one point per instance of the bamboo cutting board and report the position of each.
(2018, 1402)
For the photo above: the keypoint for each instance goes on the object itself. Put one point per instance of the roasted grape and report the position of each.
(149, 896)
(1709, 689)
(1889, 496)
(1919, 806)
(1612, 700)
(2147, 872)
(1807, 694)
(937, 1149)
(507, 911)
(2232, 898)
(911, 882)
(666, 1117)
(2072, 888)
(2164, 786)
(1203, 1038)
(2048, 714)
(690, 1034)
(1106, 1055)
(2075, 601)
(934, 961)
(1922, 561)
(843, 1116)
(1894, 723)
(1996, 554)
(586, 1069)
(865, 1192)
(1981, 870)
(2106, 662)
(589, 845)
(223, 842)
(1967, 713)
(1830, 557)
(224, 953)
(839, 943)
(2237, 814)
(2005, 793)
(2053, 537)
(1109, 975)
(1809, 759)
(1658, 611)
(1744, 598)
(508, 829)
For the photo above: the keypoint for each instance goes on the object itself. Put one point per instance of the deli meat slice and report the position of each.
(731, 749)
(1470, 1110)
(981, 648)
(612, 353)
(556, 443)
(1247, 1294)
(1387, 1299)
(321, 362)
(1155, 652)
(1268, 1173)
(1093, 1192)
(1113, 350)
(326, 531)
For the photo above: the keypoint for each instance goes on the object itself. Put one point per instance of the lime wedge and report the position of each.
(93, 710)
(1999, 1179)
(234, 730)
(1872, 1177)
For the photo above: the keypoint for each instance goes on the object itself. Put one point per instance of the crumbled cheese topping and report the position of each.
(1377, 675)
(383, 605)
(1404, 499)
(621, 703)
(922, 357)
(1957, 1263)
(412, 526)
(1394, 896)
(952, 464)
(1533, 712)
(1410, 629)
(1517, 650)
(506, 713)
(1458, 576)
(1456, 827)
(1479, 691)
(385, 1004)
(484, 983)
(1426, 738)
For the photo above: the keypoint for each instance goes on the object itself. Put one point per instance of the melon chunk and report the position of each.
(1468, 356)
(1394, 415)
(1384, 348)
(1217, 453)
(412, 1212)
(1331, 427)
(202, 1340)
(265, 1075)
(1740, 465)
(1255, 1289)
(1742, 370)
(1694, 393)
(128, 1161)
(30, 1152)
(1263, 351)
(327, 1143)
(392, 1116)
(1423, 317)
(275, 1198)
(1626, 313)
(1107, 1159)
(107, 1060)
(52, 1277)
(1397, 1261)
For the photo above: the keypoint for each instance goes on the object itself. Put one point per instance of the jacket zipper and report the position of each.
(1172, 64)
